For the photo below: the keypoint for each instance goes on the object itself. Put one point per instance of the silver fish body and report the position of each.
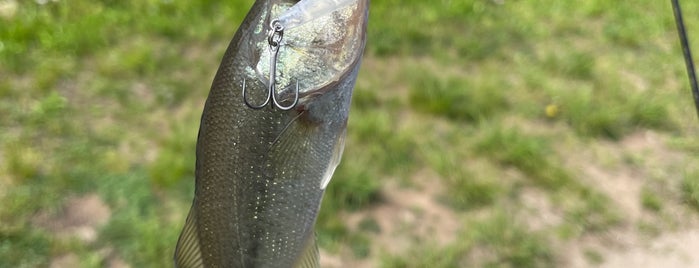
(261, 174)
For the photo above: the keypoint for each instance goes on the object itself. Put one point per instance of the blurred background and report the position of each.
(483, 133)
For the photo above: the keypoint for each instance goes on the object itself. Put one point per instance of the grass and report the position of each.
(650, 200)
(492, 97)
(531, 155)
(142, 233)
(690, 189)
(496, 241)
(455, 98)
(511, 245)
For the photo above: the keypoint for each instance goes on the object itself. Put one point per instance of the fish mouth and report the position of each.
(315, 55)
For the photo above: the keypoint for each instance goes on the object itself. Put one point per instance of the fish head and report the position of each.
(314, 55)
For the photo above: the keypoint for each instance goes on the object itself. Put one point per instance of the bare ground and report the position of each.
(81, 218)
(673, 239)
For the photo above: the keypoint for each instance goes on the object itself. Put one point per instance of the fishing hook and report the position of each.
(274, 39)
(687, 52)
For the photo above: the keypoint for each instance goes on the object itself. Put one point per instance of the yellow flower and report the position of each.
(551, 110)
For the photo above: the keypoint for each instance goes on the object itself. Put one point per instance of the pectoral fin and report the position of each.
(335, 160)
(187, 252)
(310, 257)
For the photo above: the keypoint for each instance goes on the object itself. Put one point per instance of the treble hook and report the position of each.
(274, 39)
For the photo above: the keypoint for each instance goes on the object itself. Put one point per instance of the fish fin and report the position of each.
(335, 160)
(187, 252)
(286, 127)
(310, 257)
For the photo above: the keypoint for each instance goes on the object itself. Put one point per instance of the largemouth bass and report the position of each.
(261, 173)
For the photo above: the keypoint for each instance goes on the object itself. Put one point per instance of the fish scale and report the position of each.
(261, 173)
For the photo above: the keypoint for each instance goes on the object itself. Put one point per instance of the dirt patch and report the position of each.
(677, 249)
(623, 187)
(65, 261)
(536, 202)
(110, 260)
(408, 216)
(117, 263)
(80, 217)
(622, 171)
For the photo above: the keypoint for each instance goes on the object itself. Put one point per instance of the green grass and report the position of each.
(429, 255)
(650, 200)
(142, 234)
(105, 97)
(496, 241)
(24, 248)
(529, 154)
(511, 244)
(456, 98)
(690, 189)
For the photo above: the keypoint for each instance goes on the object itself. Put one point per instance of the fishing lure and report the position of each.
(274, 39)
(301, 13)
(307, 10)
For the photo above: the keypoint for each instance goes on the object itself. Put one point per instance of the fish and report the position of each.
(260, 174)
